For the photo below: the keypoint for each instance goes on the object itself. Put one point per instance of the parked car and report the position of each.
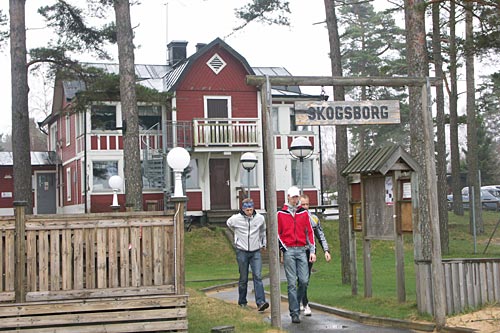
(493, 189)
(488, 200)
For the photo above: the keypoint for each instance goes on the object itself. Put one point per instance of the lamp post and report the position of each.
(301, 148)
(178, 159)
(115, 182)
(248, 162)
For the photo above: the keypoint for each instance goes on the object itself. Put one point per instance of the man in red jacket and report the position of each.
(295, 236)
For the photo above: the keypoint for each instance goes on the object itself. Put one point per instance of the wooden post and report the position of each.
(429, 172)
(399, 239)
(272, 219)
(180, 277)
(20, 251)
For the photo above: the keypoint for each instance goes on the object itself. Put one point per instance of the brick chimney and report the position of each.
(176, 51)
(199, 46)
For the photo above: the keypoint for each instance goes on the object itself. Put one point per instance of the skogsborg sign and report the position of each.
(347, 112)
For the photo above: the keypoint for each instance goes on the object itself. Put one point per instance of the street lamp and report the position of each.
(301, 148)
(248, 162)
(115, 182)
(178, 159)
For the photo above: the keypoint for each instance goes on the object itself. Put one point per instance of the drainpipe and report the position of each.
(85, 190)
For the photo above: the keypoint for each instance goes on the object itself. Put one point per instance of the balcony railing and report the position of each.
(225, 132)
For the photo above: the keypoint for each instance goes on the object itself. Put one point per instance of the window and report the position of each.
(217, 107)
(297, 128)
(103, 117)
(53, 137)
(68, 129)
(83, 174)
(306, 168)
(101, 172)
(191, 175)
(244, 177)
(275, 116)
(152, 174)
(149, 116)
(68, 184)
(80, 124)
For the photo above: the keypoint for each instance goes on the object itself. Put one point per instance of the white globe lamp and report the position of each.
(116, 183)
(301, 148)
(178, 159)
(248, 162)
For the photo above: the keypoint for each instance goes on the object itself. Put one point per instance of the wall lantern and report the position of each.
(301, 148)
(248, 162)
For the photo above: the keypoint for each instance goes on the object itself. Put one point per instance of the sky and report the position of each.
(301, 48)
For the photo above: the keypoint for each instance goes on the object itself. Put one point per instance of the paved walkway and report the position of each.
(320, 321)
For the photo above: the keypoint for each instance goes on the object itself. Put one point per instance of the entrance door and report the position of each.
(220, 184)
(46, 193)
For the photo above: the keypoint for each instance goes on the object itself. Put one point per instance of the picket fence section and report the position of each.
(469, 283)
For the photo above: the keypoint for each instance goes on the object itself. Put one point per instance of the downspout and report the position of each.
(85, 162)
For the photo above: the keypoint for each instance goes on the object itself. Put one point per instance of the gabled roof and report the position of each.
(379, 160)
(176, 75)
(37, 158)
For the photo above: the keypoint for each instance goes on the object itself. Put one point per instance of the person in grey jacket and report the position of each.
(249, 228)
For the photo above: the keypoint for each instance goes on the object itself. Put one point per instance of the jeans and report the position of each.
(305, 300)
(254, 260)
(296, 270)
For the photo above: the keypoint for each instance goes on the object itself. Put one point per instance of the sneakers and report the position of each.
(263, 306)
(295, 319)
(301, 307)
(307, 310)
(243, 306)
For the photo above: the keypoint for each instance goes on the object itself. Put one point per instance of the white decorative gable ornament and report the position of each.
(216, 63)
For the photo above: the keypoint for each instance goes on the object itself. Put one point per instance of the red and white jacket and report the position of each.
(294, 228)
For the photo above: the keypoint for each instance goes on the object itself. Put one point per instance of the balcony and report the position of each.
(224, 132)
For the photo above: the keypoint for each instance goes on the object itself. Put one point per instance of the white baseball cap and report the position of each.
(293, 191)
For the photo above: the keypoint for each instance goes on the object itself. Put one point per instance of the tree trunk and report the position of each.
(340, 143)
(20, 113)
(131, 149)
(472, 163)
(456, 183)
(441, 137)
(426, 226)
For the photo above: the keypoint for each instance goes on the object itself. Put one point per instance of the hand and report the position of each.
(312, 257)
(328, 257)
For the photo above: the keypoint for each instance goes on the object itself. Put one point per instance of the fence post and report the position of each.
(20, 251)
(179, 243)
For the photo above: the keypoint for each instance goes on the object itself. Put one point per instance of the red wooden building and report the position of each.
(211, 112)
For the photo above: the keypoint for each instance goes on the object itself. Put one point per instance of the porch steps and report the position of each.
(218, 216)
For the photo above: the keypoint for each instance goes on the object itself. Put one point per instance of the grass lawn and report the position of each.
(210, 260)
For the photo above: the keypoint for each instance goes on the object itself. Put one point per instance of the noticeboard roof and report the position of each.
(380, 160)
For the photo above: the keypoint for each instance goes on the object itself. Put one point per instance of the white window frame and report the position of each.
(68, 129)
(229, 105)
(193, 181)
(68, 184)
(105, 187)
(53, 137)
(308, 172)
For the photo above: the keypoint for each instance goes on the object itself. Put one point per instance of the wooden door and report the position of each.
(220, 184)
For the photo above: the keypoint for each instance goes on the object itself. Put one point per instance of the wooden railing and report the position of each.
(226, 132)
(92, 255)
(117, 272)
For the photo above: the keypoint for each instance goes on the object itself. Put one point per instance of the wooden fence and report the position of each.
(469, 283)
(118, 272)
